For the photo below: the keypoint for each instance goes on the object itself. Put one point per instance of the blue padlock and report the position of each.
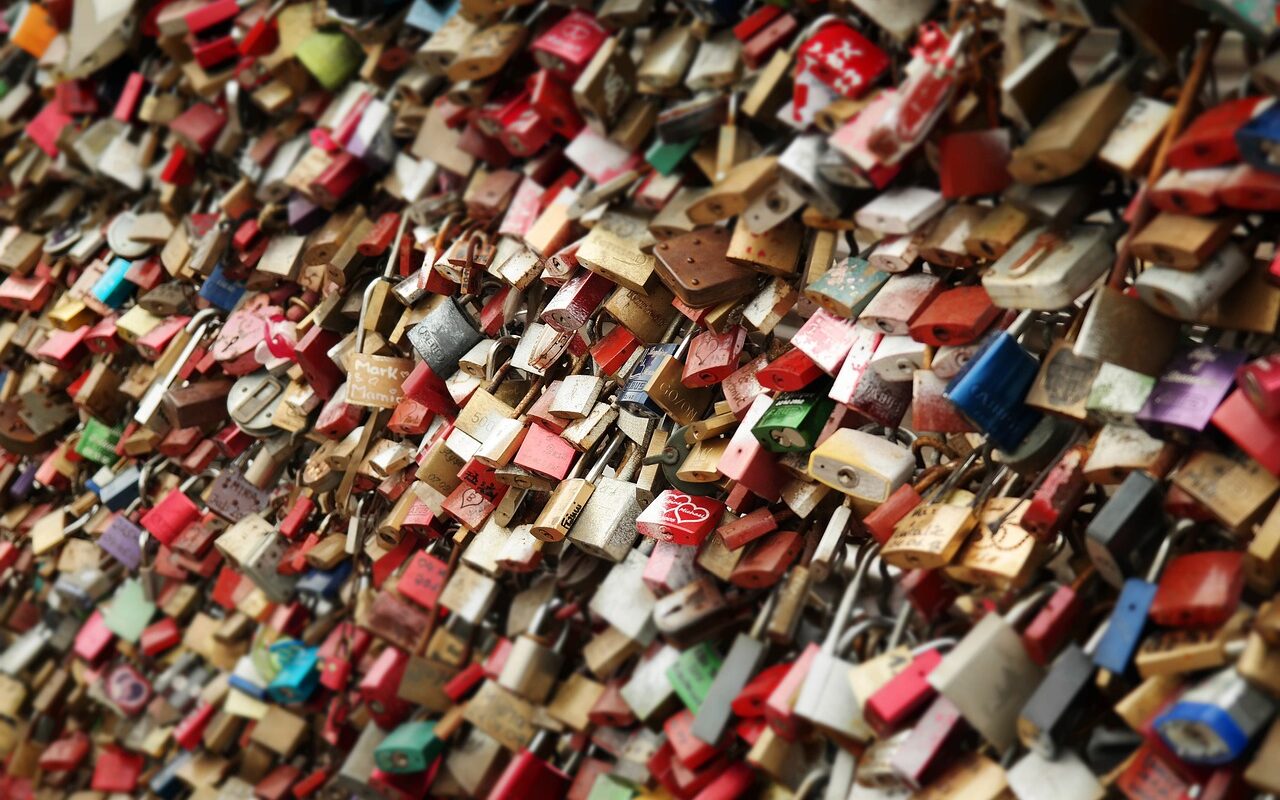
(221, 291)
(297, 679)
(165, 783)
(429, 17)
(634, 399)
(121, 490)
(1259, 140)
(990, 388)
(325, 583)
(1128, 619)
(112, 289)
(246, 678)
(1215, 720)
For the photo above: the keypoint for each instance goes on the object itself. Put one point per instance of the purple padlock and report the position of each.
(122, 540)
(26, 479)
(1188, 392)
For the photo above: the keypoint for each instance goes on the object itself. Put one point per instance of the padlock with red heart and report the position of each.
(680, 518)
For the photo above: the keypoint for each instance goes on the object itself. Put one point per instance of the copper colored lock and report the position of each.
(767, 559)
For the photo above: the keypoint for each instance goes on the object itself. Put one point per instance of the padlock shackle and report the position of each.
(1027, 604)
(597, 468)
(764, 614)
(1180, 529)
(393, 255)
(198, 326)
(899, 626)
(866, 554)
(940, 492)
(941, 644)
(860, 627)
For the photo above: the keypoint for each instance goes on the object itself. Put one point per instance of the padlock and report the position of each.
(1187, 295)
(860, 465)
(1214, 721)
(988, 674)
(1194, 383)
(1061, 145)
(990, 387)
(825, 699)
(956, 317)
(1045, 270)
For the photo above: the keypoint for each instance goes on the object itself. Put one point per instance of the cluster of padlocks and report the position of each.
(611, 399)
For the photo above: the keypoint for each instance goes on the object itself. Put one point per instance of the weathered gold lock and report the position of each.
(603, 88)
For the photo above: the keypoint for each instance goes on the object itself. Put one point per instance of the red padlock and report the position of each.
(1250, 189)
(189, 732)
(929, 593)
(552, 101)
(1210, 140)
(611, 709)
(1260, 381)
(1191, 192)
(545, 453)
(1058, 495)
(680, 518)
(380, 688)
(881, 521)
(1255, 434)
(972, 163)
(1199, 590)
(746, 461)
(423, 580)
(337, 417)
(762, 44)
(842, 58)
(956, 317)
(159, 636)
(171, 515)
(116, 770)
(465, 682)
(529, 777)
(615, 350)
(522, 130)
(790, 372)
(66, 753)
(767, 559)
(568, 46)
(338, 179)
(931, 745)
(712, 356)
(895, 704)
(826, 339)
(1053, 624)
(576, 300)
(342, 649)
(691, 751)
(751, 526)
(733, 783)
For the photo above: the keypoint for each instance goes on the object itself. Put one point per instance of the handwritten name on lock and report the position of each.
(376, 381)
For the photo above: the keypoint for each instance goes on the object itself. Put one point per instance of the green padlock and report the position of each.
(409, 748)
(692, 674)
(98, 442)
(794, 421)
(845, 290)
(665, 157)
(331, 57)
(607, 787)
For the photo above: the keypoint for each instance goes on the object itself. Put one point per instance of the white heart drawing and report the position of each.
(681, 509)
